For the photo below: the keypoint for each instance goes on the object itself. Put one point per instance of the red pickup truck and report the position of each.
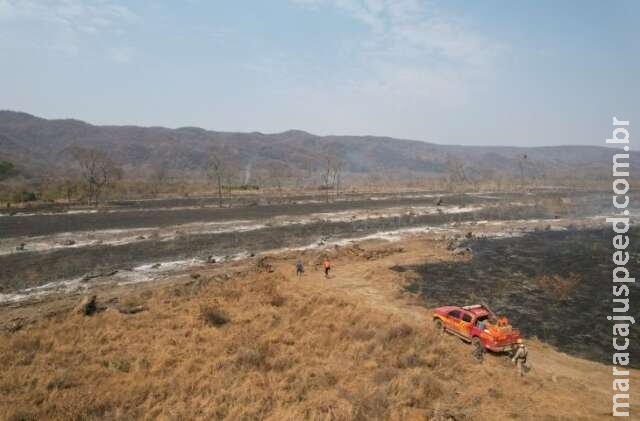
(477, 324)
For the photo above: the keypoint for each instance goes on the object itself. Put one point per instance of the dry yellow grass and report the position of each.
(346, 348)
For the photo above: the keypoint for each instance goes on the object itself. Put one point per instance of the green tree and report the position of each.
(7, 170)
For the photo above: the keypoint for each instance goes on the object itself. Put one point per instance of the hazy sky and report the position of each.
(472, 72)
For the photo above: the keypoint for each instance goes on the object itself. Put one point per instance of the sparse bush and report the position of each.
(374, 405)
(434, 359)
(242, 187)
(327, 409)
(213, 316)
(385, 375)
(253, 356)
(398, 331)
(418, 390)
(132, 305)
(7, 169)
(144, 363)
(24, 343)
(25, 349)
(409, 360)
(277, 300)
(362, 334)
(25, 196)
(283, 363)
(119, 364)
(559, 286)
(230, 294)
(21, 415)
(61, 380)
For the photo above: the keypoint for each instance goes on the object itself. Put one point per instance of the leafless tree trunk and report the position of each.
(337, 175)
(278, 172)
(159, 177)
(331, 176)
(457, 176)
(97, 169)
(327, 178)
(522, 159)
(70, 188)
(216, 169)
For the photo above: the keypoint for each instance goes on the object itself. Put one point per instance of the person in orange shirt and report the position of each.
(327, 267)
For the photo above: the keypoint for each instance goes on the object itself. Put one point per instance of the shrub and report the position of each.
(399, 331)
(213, 316)
(121, 365)
(408, 360)
(21, 414)
(25, 196)
(7, 169)
(61, 380)
(277, 300)
(385, 375)
(253, 356)
(560, 287)
(117, 364)
(362, 334)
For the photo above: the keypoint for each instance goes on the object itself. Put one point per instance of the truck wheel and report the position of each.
(439, 326)
(477, 344)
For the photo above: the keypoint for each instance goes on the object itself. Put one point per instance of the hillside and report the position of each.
(250, 341)
(40, 147)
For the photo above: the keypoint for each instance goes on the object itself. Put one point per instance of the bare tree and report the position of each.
(338, 166)
(522, 159)
(217, 170)
(98, 171)
(278, 172)
(159, 176)
(456, 173)
(331, 176)
(327, 177)
(70, 187)
(307, 174)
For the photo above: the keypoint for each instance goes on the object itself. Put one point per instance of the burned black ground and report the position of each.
(29, 269)
(556, 286)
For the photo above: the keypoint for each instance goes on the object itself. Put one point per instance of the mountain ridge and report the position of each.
(39, 146)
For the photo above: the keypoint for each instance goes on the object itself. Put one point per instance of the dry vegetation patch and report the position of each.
(213, 316)
(258, 346)
(275, 352)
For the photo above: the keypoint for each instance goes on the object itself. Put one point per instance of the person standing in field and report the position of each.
(299, 268)
(327, 267)
(519, 358)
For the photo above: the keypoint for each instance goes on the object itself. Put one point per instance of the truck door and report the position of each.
(465, 325)
(452, 320)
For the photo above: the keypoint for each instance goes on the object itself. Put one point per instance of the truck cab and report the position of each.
(477, 324)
